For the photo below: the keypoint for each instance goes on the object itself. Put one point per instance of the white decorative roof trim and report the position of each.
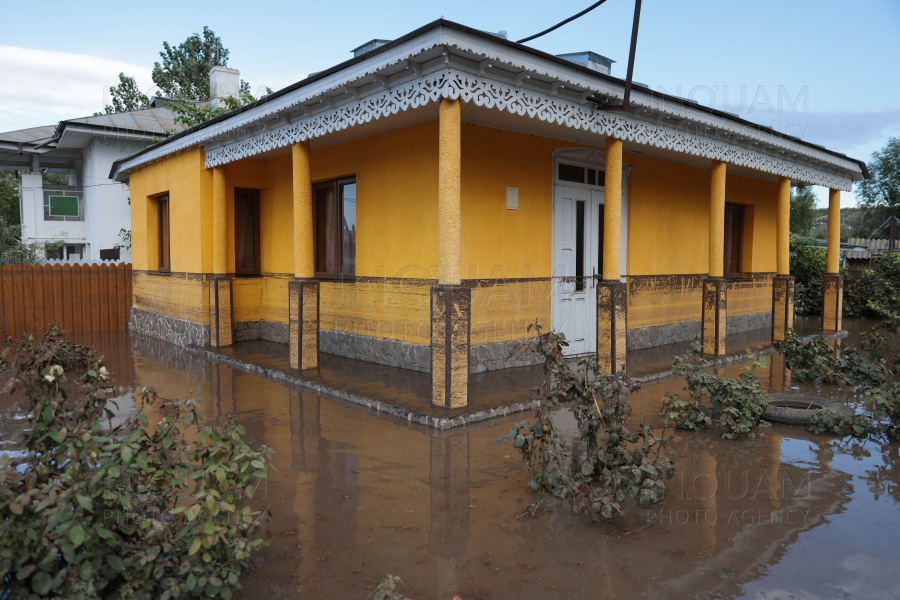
(450, 83)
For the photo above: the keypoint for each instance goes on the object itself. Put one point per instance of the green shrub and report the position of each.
(813, 361)
(735, 405)
(96, 510)
(607, 462)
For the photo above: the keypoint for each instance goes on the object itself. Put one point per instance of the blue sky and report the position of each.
(840, 56)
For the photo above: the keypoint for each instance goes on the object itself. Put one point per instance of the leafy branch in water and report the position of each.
(813, 361)
(735, 405)
(97, 509)
(607, 462)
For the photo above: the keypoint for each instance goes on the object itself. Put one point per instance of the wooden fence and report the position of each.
(78, 298)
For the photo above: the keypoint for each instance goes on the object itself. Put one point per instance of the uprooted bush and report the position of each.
(607, 462)
(96, 510)
(814, 361)
(734, 405)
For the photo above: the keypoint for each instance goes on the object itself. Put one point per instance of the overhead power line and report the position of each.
(561, 23)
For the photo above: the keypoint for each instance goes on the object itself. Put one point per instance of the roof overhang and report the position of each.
(502, 84)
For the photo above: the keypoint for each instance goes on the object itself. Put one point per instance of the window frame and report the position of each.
(730, 211)
(336, 251)
(161, 268)
(257, 262)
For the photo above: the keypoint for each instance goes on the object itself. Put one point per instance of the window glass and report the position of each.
(601, 178)
(246, 231)
(592, 176)
(571, 173)
(163, 233)
(734, 234)
(348, 229)
(579, 246)
(325, 230)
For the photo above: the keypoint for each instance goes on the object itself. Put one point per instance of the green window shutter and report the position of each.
(63, 206)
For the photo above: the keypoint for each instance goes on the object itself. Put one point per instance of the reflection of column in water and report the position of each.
(779, 375)
(221, 394)
(305, 432)
(449, 478)
(773, 446)
(706, 487)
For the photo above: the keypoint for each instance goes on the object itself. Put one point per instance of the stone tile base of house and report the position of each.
(502, 355)
(168, 329)
(269, 331)
(392, 353)
(674, 333)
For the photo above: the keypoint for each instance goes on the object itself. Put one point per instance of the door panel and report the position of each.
(576, 245)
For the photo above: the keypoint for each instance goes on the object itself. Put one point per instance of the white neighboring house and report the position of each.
(89, 212)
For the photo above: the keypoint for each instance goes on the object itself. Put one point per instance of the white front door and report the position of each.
(577, 243)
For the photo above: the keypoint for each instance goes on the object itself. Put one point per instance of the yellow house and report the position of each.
(421, 204)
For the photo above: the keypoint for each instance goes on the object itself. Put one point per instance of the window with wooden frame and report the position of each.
(734, 241)
(162, 233)
(246, 232)
(335, 227)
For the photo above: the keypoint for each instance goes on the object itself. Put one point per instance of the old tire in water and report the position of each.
(796, 409)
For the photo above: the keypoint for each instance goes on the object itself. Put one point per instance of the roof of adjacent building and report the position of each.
(494, 39)
(146, 123)
(32, 135)
(873, 248)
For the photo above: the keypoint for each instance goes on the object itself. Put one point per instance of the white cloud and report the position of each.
(42, 88)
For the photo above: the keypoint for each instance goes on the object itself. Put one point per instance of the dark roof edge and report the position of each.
(499, 40)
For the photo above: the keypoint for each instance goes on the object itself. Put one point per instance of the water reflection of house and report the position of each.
(440, 508)
(494, 189)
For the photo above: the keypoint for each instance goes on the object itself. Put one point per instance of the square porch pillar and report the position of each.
(715, 297)
(303, 326)
(221, 331)
(833, 282)
(451, 302)
(451, 317)
(783, 283)
(303, 291)
(714, 315)
(612, 294)
(220, 289)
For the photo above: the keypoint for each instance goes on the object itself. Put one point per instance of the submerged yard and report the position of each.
(358, 495)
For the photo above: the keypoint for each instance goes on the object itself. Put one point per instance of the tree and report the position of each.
(879, 195)
(191, 113)
(803, 210)
(125, 97)
(9, 197)
(184, 72)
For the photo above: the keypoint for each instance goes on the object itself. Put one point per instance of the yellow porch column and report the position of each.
(220, 296)
(451, 302)
(783, 283)
(833, 282)
(715, 299)
(303, 291)
(612, 294)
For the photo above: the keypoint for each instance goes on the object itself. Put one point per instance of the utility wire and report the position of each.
(561, 23)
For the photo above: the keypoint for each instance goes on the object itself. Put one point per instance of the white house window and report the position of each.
(579, 174)
(67, 252)
(63, 205)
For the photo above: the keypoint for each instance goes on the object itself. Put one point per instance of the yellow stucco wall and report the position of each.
(394, 309)
(179, 295)
(189, 186)
(502, 312)
(397, 228)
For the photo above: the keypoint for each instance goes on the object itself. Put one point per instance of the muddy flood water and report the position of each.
(359, 495)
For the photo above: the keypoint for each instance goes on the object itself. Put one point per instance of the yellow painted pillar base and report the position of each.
(715, 313)
(220, 312)
(612, 325)
(451, 316)
(303, 326)
(782, 306)
(833, 290)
